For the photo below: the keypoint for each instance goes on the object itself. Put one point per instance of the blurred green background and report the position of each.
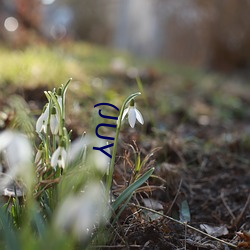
(192, 56)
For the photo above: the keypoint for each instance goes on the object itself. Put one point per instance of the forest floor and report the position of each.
(196, 135)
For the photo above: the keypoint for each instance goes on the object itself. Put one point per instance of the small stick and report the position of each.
(184, 224)
(227, 207)
(175, 198)
(239, 217)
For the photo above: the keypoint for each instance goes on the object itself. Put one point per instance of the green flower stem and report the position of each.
(47, 137)
(65, 87)
(112, 164)
(52, 95)
(54, 142)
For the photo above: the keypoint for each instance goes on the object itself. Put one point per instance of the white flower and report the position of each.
(39, 155)
(54, 121)
(133, 114)
(94, 158)
(79, 214)
(59, 99)
(42, 122)
(98, 158)
(17, 152)
(59, 157)
(78, 148)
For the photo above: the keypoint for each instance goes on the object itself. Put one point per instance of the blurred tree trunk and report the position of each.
(229, 35)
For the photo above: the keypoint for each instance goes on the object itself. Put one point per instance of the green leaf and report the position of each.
(184, 212)
(129, 190)
(39, 222)
(10, 236)
(122, 209)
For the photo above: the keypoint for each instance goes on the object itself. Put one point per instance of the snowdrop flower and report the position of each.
(54, 121)
(133, 114)
(59, 97)
(98, 158)
(39, 154)
(59, 157)
(42, 122)
(78, 148)
(79, 214)
(17, 152)
(95, 158)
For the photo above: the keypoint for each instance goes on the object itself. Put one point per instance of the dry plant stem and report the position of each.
(239, 217)
(185, 242)
(227, 207)
(183, 224)
(48, 185)
(173, 202)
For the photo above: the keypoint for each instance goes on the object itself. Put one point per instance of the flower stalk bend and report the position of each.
(112, 164)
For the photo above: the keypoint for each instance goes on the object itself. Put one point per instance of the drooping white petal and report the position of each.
(59, 99)
(78, 147)
(100, 160)
(62, 161)
(39, 123)
(44, 127)
(59, 157)
(139, 116)
(5, 139)
(18, 156)
(55, 156)
(19, 151)
(46, 112)
(132, 117)
(38, 156)
(124, 113)
(54, 124)
(79, 214)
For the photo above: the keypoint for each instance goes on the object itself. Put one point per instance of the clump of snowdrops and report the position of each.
(60, 192)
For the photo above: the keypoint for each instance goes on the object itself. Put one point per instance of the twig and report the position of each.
(227, 207)
(184, 224)
(239, 217)
(185, 242)
(175, 198)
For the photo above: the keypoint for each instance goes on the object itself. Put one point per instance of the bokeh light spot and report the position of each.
(11, 24)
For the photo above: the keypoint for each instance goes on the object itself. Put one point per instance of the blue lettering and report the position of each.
(107, 125)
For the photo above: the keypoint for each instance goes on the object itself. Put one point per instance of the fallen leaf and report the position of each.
(153, 204)
(215, 231)
(245, 236)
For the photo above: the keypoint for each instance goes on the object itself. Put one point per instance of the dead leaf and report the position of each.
(215, 231)
(155, 205)
(152, 204)
(245, 236)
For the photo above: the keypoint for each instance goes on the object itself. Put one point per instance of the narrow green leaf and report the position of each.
(185, 212)
(39, 222)
(138, 163)
(65, 87)
(10, 236)
(122, 209)
(129, 190)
